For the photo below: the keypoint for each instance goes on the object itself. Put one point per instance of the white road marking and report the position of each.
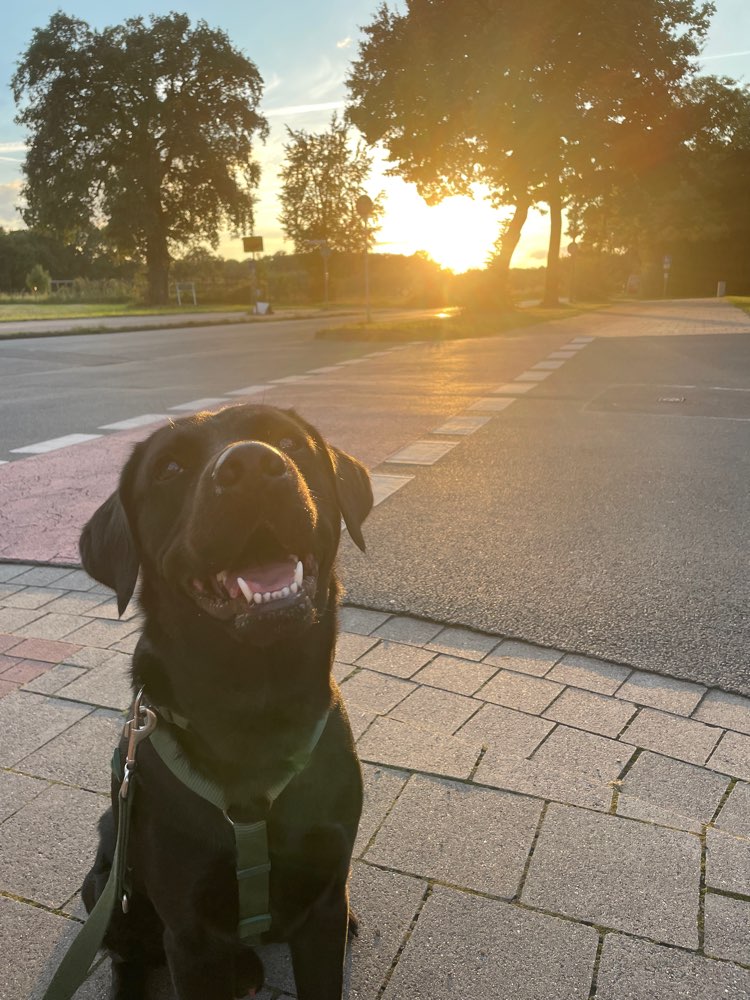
(548, 365)
(351, 361)
(422, 452)
(582, 340)
(384, 486)
(562, 354)
(323, 371)
(291, 378)
(462, 425)
(201, 404)
(250, 390)
(142, 421)
(54, 443)
(492, 404)
(532, 376)
(513, 388)
(572, 346)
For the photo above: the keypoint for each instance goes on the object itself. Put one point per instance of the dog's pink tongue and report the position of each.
(265, 578)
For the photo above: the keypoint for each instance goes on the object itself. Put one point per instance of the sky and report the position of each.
(303, 51)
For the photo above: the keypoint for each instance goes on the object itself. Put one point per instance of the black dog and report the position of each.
(233, 520)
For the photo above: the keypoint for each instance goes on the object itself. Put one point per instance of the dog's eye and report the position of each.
(288, 444)
(168, 468)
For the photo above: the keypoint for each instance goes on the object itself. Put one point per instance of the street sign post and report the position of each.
(364, 206)
(253, 245)
(667, 264)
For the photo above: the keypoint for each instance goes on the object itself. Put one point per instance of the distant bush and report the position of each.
(38, 280)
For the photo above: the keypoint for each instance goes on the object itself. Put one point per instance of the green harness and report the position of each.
(251, 843)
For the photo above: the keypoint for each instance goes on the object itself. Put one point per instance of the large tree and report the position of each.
(144, 130)
(323, 175)
(519, 96)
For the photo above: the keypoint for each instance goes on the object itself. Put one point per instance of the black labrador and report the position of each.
(233, 521)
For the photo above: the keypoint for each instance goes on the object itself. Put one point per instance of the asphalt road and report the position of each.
(605, 512)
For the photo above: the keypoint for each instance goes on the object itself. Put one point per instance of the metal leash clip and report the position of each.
(141, 725)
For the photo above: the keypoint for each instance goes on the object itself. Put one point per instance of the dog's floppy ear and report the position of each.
(107, 547)
(353, 491)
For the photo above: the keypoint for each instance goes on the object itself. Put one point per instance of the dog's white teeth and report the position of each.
(242, 584)
(285, 592)
(294, 588)
(221, 577)
(266, 598)
(258, 598)
(299, 574)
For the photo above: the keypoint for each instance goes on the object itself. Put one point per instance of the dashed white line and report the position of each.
(250, 390)
(422, 452)
(142, 421)
(323, 371)
(547, 365)
(201, 404)
(582, 340)
(493, 404)
(42, 447)
(291, 378)
(462, 425)
(532, 376)
(384, 486)
(562, 354)
(514, 388)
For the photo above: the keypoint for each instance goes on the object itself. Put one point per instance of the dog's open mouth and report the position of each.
(266, 579)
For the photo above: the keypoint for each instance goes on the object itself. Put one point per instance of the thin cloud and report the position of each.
(344, 43)
(304, 109)
(12, 147)
(725, 55)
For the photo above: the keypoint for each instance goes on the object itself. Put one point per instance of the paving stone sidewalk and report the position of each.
(538, 825)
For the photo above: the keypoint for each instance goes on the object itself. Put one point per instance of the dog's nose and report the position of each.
(245, 463)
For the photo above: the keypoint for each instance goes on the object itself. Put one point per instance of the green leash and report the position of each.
(251, 843)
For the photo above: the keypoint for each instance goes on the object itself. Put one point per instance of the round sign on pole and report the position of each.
(364, 206)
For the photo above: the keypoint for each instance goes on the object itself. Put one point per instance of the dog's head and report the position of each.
(237, 513)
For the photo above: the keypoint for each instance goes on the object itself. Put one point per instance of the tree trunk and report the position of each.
(552, 278)
(157, 267)
(508, 245)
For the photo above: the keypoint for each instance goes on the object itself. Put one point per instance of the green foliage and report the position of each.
(321, 179)
(143, 130)
(38, 280)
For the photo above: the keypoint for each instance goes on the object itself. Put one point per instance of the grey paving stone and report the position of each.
(341, 671)
(78, 579)
(395, 658)
(524, 658)
(618, 873)
(9, 571)
(16, 790)
(361, 620)
(638, 970)
(439, 711)
(359, 720)
(670, 792)
(107, 686)
(6, 589)
(29, 597)
(375, 692)
(350, 646)
(589, 673)
(12, 619)
(463, 642)
(34, 942)
(510, 733)
(454, 674)
(475, 838)
(128, 644)
(672, 736)
(727, 928)
(108, 611)
(732, 756)
(398, 744)
(101, 633)
(41, 576)
(482, 949)
(735, 813)
(596, 713)
(47, 847)
(381, 788)
(666, 693)
(89, 656)
(385, 904)
(28, 721)
(527, 694)
(52, 680)
(570, 766)
(75, 602)
(727, 710)
(81, 755)
(408, 630)
(51, 626)
(727, 862)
